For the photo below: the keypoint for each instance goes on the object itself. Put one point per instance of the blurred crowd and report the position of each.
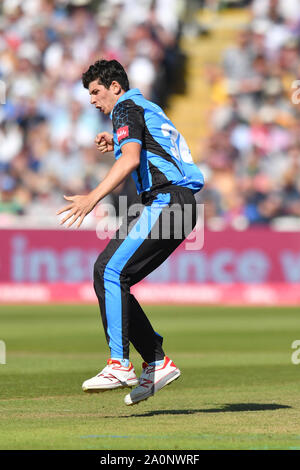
(47, 125)
(251, 158)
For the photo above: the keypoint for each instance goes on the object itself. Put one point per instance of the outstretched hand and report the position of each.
(78, 208)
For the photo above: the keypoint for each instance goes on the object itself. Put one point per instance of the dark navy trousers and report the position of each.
(142, 243)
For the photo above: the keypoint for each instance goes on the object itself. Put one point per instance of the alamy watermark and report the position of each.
(296, 93)
(296, 354)
(2, 352)
(157, 221)
(2, 92)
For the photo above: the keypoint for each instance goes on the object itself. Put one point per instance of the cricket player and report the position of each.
(147, 145)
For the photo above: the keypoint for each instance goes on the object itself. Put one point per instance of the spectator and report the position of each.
(47, 127)
(8, 201)
(253, 147)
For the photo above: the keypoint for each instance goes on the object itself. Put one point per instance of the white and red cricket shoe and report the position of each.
(153, 379)
(114, 375)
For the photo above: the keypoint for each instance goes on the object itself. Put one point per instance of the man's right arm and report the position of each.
(81, 205)
(126, 164)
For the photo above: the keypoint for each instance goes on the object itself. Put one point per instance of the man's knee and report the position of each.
(99, 269)
(106, 270)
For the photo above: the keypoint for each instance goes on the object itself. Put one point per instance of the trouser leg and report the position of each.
(141, 334)
(123, 263)
(123, 318)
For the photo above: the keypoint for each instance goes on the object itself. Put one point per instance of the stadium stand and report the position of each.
(47, 126)
(239, 110)
(250, 153)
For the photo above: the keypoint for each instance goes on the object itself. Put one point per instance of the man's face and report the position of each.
(103, 98)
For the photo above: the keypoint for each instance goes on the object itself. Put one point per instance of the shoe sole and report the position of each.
(105, 389)
(171, 379)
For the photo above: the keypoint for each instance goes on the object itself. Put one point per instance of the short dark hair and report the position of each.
(106, 71)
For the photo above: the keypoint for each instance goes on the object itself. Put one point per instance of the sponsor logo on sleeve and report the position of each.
(122, 133)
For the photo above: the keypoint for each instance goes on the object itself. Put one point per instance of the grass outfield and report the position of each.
(238, 389)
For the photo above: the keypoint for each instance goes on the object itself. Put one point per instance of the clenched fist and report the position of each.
(104, 142)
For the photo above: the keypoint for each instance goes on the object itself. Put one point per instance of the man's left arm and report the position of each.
(81, 205)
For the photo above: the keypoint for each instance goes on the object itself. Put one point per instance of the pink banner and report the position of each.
(55, 264)
(253, 256)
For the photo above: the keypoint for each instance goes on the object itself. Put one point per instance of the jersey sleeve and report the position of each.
(128, 122)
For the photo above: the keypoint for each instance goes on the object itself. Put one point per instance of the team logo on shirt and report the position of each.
(122, 133)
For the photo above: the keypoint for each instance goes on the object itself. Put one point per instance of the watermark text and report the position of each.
(296, 354)
(156, 222)
(2, 352)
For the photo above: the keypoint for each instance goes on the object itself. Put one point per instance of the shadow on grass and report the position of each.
(231, 407)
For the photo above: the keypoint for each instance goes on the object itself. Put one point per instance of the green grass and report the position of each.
(238, 389)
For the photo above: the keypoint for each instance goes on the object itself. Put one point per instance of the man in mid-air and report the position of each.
(147, 145)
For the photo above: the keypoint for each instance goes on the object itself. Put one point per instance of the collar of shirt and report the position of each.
(127, 95)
